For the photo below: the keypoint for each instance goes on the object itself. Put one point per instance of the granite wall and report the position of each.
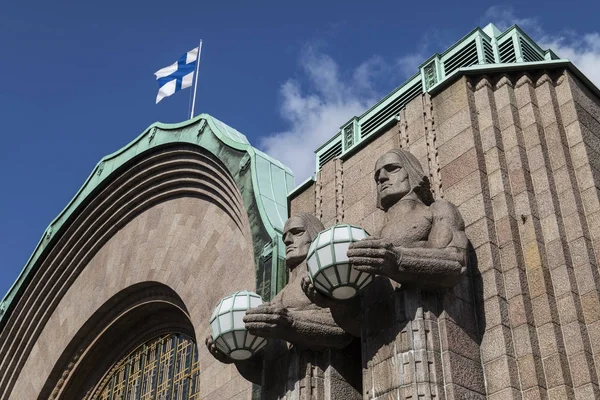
(154, 251)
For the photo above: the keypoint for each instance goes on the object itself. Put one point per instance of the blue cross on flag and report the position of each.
(177, 76)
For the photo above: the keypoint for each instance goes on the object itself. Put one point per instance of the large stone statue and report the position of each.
(422, 242)
(310, 330)
(421, 248)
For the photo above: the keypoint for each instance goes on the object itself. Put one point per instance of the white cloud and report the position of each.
(504, 17)
(582, 49)
(409, 64)
(433, 40)
(315, 112)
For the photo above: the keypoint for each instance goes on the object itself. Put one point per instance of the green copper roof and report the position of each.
(271, 180)
(487, 47)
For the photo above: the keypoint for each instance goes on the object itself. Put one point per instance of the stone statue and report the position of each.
(422, 242)
(421, 248)
(311, 330)
(291, 315)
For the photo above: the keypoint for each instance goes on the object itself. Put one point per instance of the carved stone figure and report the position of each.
(311, 330)
(421, 248)
(422, 242)
(291, 315)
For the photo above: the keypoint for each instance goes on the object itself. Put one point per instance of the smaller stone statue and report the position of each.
(291, 315)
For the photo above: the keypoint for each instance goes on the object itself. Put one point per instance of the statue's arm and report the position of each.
(345, 313)
(312, 328)
(316, 329)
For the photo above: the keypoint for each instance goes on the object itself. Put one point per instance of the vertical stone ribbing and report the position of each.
(415, 132)
(462, 175)
(561, 186)
(578, 247)
(432, 152)
(328, 191)
(526, 230)
(539, 282)
(403, 130)
(581, 121)
(497, 353)
(339, 191)
(318, 197)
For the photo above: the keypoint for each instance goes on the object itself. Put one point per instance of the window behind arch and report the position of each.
(165, 367)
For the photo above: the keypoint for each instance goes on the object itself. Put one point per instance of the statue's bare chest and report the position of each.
(409, 229)
(293, 297)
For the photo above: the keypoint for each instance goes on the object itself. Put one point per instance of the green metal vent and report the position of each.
(507, 52)
(488, 52)
(349, 136)
(430, 75)
(388, 113)
(479, 50)
(529, 53)
(464, 58)
(333, 152)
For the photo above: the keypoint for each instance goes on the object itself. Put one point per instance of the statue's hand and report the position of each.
(214, 350)
(268, 321)
(313, 294)
(375, 256)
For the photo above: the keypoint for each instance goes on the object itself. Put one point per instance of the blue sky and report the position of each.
(78, 79)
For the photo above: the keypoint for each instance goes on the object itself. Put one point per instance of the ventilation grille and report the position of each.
(488, 53)
(330, 154)
(507, 52)
(430, 78)
(529, 54)
(464, 58)
(349, 136)
(392, 109)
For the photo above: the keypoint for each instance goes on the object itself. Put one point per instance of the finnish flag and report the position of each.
(177, 76)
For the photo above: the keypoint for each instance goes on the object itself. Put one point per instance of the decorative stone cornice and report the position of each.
(504, 80)
(544, 78)
(524, 79)
(483, 82)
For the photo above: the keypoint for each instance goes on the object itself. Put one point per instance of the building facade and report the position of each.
(121, 287)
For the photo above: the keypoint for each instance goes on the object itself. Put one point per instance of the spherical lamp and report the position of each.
(328, 266)
(228, 329)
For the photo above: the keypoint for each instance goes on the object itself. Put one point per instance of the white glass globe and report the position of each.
(228, 329)
(328, 266)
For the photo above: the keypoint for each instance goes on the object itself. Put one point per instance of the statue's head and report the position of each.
(398, 173)
(298, 233)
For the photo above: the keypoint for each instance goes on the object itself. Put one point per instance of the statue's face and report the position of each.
(297, 241)
(392, 179)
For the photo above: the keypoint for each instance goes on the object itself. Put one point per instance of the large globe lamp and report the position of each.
(328, 266)
(228, 329)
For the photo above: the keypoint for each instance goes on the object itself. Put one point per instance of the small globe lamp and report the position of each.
(228, 329)
(328, 266)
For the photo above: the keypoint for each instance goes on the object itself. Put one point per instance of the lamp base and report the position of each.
(344, 292)
(240, 354)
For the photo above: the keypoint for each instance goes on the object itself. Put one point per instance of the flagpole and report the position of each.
(196, 79)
